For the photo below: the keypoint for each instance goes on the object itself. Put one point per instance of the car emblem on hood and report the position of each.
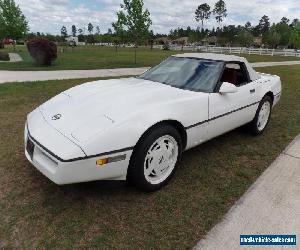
(56, 117)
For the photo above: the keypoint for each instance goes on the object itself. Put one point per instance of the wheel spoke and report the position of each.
(161, 159)
(263, 116)
(169, 152)
(150, 168)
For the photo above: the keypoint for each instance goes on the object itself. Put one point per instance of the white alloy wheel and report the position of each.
(160, 159)
(263, 116)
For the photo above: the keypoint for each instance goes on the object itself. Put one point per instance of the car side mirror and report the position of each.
(227, 88)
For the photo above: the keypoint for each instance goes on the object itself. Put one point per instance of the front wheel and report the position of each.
(155, 158)
(262, 117)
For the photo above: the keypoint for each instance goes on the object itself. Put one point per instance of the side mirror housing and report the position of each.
(227, 88)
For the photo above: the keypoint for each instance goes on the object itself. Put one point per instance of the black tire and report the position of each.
(253, 126)
(135, 173)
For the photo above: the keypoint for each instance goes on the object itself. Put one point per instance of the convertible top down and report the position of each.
(136, 129)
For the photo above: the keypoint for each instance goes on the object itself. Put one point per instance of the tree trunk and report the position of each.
(135, 52)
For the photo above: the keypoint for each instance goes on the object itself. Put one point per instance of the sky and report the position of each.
(48, 16)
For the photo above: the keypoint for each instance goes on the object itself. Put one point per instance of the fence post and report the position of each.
(273, 52)
(260, 50)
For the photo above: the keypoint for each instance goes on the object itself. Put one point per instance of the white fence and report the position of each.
(235, 50)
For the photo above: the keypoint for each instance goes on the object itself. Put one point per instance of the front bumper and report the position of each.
(80, 170)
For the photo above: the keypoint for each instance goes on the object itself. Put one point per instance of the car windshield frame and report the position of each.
(220, 65)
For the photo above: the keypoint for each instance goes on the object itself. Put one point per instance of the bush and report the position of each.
(1, 45)
(4, 56)
(166, 46)
(20, 42)
(43, 51)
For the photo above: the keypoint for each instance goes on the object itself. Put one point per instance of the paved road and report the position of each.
(21, 76)
(270, 206)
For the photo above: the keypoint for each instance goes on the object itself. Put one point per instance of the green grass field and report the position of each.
(35, 213)
(97, 57)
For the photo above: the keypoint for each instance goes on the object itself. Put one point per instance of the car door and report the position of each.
(232, 110)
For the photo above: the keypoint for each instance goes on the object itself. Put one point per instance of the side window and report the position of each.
(236, 74)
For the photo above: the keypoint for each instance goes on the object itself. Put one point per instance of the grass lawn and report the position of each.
(97, 57)
(36, 213)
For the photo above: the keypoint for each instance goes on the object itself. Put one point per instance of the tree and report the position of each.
(90, 28)
(98, 30)
(202, 13)
(248, 26)
(81, 37)
(294, 23)
(74, 30)
(63, 31)
(264, 25)
(109, 31)
(135, 20)
(284, 30)
(80, 31)
(13, 23)
(295, 37)
(285, 20)
(220, 11)
(273, 37)
(119, 32)
(151, 39)
(245, 38)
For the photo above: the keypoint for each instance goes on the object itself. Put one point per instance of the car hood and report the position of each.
(85, 110)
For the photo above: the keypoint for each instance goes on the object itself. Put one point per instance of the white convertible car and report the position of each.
(137, 128)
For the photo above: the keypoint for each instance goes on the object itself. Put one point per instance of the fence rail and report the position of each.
(235, 50)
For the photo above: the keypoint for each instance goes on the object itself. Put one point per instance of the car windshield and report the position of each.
(186, 73)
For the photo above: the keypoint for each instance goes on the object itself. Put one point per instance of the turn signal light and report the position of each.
(101, 162)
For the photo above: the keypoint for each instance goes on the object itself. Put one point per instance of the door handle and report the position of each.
(252, 91)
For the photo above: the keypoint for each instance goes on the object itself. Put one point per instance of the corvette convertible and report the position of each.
(136, 129)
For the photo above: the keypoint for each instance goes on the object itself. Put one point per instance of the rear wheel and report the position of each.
(262, 117)
(155, 158)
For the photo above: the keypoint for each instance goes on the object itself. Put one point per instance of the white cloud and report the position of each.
(49, 16)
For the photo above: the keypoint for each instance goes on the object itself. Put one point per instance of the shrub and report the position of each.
(43, 51)
(4, 56)
(20, 42)
(166, 46)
